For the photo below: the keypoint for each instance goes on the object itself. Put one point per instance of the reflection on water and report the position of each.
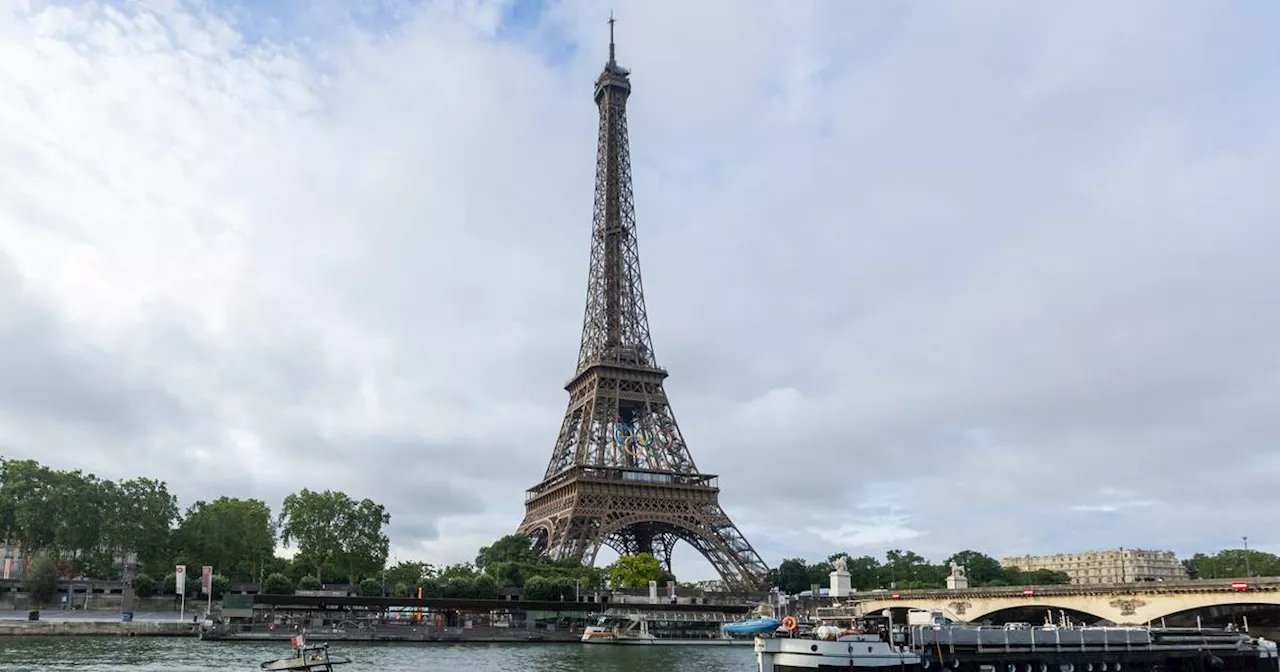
(85, 654)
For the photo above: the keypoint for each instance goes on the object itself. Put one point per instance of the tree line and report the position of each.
(1232, 563)
(907, 570)
(94, 524)
(508, 563)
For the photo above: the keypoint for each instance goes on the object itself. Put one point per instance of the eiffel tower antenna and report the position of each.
(620, 474)
(612, 54)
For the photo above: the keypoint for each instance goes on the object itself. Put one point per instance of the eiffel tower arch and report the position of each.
(620, 474)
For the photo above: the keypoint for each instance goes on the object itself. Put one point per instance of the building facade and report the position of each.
(1122, 565)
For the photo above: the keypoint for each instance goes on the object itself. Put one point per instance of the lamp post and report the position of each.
(1248, 571)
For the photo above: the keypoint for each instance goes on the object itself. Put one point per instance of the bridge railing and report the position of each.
(1195, 585)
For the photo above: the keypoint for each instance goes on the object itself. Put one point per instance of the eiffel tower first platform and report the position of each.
(620, 474)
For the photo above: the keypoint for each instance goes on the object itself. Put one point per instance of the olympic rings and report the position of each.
(643, 442)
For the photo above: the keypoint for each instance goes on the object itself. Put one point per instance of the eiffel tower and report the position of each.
(621, 475)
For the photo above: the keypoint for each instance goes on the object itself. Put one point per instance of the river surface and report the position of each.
(180, 654)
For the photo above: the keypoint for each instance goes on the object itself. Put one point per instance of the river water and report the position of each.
(180, 654)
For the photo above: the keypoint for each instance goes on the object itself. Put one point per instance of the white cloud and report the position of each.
(346, 244)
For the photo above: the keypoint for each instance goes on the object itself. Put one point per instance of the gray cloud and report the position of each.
(984, 276)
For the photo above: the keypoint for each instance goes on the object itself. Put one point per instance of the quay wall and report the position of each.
(15, 628)
(402, 634)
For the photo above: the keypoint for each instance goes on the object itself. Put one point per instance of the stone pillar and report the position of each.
(841, 583)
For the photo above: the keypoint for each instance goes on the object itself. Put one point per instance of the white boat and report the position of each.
(314, 658)
(637, 627)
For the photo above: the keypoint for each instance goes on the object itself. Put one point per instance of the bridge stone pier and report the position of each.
(1120, 603)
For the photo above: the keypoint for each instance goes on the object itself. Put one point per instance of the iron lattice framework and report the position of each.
(621, 475)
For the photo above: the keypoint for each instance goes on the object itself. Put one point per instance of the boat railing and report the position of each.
(931, 640)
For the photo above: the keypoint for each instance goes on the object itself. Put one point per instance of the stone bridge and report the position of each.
(1119, 603)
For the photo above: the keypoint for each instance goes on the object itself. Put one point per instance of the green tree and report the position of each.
(144, 521)
(864, 572)
(218, 585)
(309, 582)
(461, 570)
(332, 530)
(819, 573)
(908, 569)
(41, 580)
(370, 588)
(635, 571)
(484, 587)
(792, 575)
(144, 586)
(457, 587)
(508, 573)
(1231, 564)
(511, 548)
(539, 588)
(400, 590)
(409, 573)
(979, 568)
(26, 512)
(1045, 577)
(277, 584)
(431, 588)
(234, 535)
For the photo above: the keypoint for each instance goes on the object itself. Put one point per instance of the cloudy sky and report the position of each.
(995, 275)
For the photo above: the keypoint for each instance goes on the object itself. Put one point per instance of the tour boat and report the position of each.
(638, 627)
(305, 658)
(875, 644)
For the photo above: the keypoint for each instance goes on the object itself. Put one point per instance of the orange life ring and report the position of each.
(789, 623)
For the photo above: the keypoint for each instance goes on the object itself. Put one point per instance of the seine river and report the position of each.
(175, 654)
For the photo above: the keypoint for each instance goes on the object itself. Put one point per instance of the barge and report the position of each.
(876, 644)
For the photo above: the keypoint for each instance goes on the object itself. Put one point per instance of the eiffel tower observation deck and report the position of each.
(620, 474)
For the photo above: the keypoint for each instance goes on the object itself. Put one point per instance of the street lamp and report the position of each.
(1248, 571)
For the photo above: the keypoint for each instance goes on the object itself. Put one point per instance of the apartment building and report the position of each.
(1121, 565)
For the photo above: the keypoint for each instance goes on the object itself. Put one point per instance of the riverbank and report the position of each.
(86, 628)
(482, 635)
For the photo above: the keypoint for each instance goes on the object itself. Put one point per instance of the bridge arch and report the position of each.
(1036, 613)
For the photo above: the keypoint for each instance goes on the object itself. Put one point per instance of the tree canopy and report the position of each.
(907, 570)
(235, 536)
(635, 571)
(85, 520)
(41, 581)
(332, 531)
(1231, 564)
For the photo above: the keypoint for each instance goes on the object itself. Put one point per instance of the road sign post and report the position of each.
(180, 585)
(206, 582)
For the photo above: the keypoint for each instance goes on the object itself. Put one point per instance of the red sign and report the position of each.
(896, 596)
(1239, 585)
(1027, 592)
(206, 579)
